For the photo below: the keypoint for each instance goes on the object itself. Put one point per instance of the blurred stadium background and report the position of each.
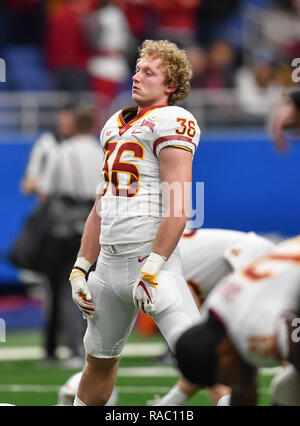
(58, 50)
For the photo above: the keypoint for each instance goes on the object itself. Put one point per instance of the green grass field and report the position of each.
(28, 382)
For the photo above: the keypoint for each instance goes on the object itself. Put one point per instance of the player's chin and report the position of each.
(136, 96)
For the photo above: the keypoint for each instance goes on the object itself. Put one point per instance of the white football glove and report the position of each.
(144, 294)
(144, 289)
(80, 291)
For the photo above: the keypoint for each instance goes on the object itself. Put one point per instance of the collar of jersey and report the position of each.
(125, 126)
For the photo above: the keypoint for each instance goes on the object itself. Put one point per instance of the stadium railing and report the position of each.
(28, 113)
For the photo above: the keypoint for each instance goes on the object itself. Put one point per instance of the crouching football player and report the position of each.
(249, 324)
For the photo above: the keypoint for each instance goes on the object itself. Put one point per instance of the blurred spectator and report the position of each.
(280, 27)
(74, 172)
(213, 68)
(257, 87)
(140, 17)
(110, 37)
(199, 61)
(43, 153)
(45, 147)
(176, 20)
(221, 69)
(66, 48)
(142, 24)
(64, 170)
(212, 17)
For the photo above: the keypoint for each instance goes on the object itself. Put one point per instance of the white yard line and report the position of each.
(14, 388)
(29, 388)
(270, 371)
(55, 388)
(131, 350)
(36, 352)
(147, 372)
(21, 353)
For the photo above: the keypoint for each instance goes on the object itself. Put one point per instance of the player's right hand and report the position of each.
(144, 293)
(81, 294)
(144, 289)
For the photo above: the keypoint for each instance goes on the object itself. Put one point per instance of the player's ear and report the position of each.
(171, 89)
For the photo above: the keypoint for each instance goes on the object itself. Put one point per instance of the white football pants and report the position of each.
(111, 287)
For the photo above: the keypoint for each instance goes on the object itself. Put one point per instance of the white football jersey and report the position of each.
(253, 303)
(203, 252)
(131, 207)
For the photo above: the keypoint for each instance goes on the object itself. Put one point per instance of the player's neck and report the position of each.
(148, 107)
(132, 113)
(160, 101)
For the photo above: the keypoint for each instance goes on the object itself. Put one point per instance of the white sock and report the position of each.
(224, 401)
(78, 403)
(174, 397)
(113, 398)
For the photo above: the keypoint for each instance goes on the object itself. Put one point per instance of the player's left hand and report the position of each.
(144, 289)
(144, 293)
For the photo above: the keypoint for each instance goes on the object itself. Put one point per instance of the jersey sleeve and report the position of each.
(107, 130)
(103, 137)
(178, 128)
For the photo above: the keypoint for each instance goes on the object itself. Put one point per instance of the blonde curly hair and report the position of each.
(175, 63)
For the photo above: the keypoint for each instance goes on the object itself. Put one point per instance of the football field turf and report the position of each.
(30, 382)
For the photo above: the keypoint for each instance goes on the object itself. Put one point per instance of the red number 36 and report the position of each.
(187, 127)
(119, 166)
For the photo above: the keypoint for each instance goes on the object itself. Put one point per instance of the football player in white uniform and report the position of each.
(149, 148)
(208, 255)
(250, 319)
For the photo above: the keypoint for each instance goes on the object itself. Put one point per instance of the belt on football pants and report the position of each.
(122, 248)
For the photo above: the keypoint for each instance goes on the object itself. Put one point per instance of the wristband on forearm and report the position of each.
(82, 264)
(152, 267)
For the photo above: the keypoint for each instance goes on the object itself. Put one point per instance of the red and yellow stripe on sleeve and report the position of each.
(174, 138)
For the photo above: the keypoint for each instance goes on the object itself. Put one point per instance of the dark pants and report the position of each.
(64, 322)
